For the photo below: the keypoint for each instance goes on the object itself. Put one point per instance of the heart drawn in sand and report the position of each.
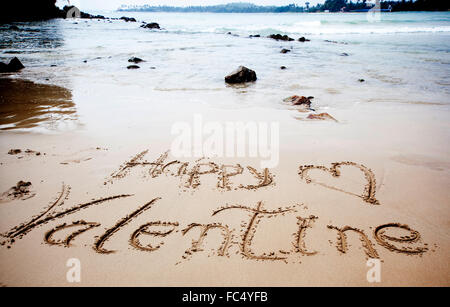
(368, 195)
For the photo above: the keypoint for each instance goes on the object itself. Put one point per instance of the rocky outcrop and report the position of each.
(25, 10)
(14, 66)
(241, 75)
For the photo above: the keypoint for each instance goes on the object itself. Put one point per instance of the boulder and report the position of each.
(280, 37)
(152, 25)
(135, 60)
(3, 67)
(299, 100)
(133, 67)
(285, 51)
(344, 54)
(13, 66)
(257, 35)
(241, 75)
(302, 39)
(283, 67)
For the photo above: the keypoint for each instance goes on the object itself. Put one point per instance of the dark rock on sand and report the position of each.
(14, 151)
(302, 39)
(133, 67)
(152, 25)
(344, 54)
(20, 191)
(241, 75)
(257, 35)
(14, 66)
(128, 19)
(283, 67)
(361, 80)
(299, 100)
(135, 60)
(285, 51)
(280, 37)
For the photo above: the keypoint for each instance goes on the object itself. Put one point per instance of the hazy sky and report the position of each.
(114, 4)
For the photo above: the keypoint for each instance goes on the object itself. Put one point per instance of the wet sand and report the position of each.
(25, 104)
(134, 214)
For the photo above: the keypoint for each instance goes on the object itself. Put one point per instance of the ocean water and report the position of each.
(404, 58)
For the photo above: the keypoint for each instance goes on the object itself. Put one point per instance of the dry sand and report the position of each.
(133, 214)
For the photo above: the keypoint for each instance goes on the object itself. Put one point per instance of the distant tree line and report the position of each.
(329, 5)
(395, 6)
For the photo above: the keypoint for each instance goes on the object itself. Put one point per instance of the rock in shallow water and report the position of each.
(13, 66)
(152, 25)
(280, 37)
(128, 19)
(285, 51)
(135, 60)
(133, 67)
(241, 75)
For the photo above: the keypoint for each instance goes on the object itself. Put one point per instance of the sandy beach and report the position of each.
(88, 170)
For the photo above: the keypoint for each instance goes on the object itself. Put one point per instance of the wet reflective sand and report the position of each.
(25, 104)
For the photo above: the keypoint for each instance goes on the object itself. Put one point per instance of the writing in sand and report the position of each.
(151, 236)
